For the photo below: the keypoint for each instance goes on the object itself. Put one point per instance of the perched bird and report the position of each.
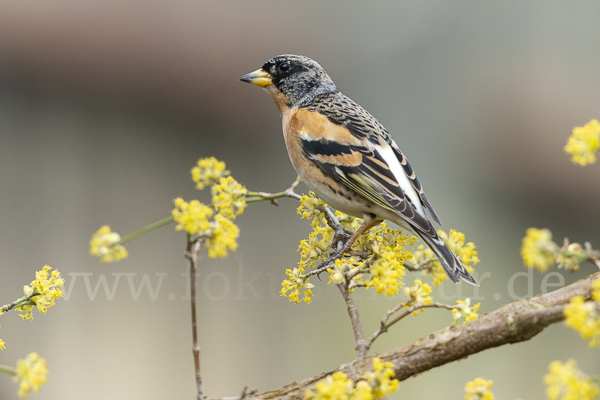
(346, 156)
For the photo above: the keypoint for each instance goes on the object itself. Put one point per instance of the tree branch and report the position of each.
(384, 325)
(361, 344)
(515, 322)
(191, 253)
(255, 197)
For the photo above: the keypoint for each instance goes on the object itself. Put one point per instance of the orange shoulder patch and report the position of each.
(316, 126)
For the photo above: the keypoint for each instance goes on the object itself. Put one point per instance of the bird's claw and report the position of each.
(340, 238)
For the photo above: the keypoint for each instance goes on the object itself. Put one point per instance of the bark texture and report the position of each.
(512, 323)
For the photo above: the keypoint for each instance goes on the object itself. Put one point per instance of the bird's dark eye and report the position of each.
(284, 67)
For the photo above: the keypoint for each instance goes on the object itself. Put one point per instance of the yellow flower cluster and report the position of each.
(315, 249)
(1, 341)
(208, 171)
(339, 386)
(538, 249)
(386, 275)
(584, 142)
(348, 222)
(297, 282)
(44, 290)
(385, 250)
(430, 264)
(220, 233)
(193, 217)
(381, 380)
(106, 245)
(466, 253)
(372, 385)
(479, 389)
(388, 251)
(311, 207)
(570, 256)
(342, 267)
(229, 197)
(31, 373)
(385, 263)
(455, 240)
(581, 315)
(417, 294)
(565, 381)
(224, 234)
(464, 310)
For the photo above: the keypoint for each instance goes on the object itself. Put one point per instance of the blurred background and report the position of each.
(106, 106)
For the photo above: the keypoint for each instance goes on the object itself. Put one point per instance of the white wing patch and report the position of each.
(405, 185)
(304, 135)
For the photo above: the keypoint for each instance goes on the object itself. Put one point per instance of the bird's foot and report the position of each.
(340, 239)
(341, 244)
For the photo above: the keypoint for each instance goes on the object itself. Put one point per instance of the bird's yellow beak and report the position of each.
(260, 77)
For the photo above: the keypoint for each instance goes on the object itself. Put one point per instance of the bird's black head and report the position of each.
(299, 79)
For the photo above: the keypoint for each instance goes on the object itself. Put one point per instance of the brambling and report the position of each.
(347, 157)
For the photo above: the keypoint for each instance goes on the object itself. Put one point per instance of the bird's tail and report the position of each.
(452, 266)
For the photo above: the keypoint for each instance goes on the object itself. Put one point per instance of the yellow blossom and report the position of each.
(105, 244)
(382, 379)
(466, 253)
(229, 197)
(44, 290)
(538, 249)
(349, 222)
(386, 274)
(1, 344)
(372, 385)
(438, 274)
(31, 373)
(191, 217)
(570, 257)
(581, 315)
(381, 237)
(390, 255)
(479, 389)
(463, 309)
(334, 386)
(596, 290)
(373, 237)
(362, 391)
(297, 282)
(417, 294)
(208, 171)
(565, 381)
(342, 267)
(430, 265)
(315, 249)
(221, 237)
(311, 206)
(584, 142)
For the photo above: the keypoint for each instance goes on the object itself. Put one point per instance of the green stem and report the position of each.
(18, 303)
(147, 229)
(255, 197)
(7, 370)
(22, 301)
